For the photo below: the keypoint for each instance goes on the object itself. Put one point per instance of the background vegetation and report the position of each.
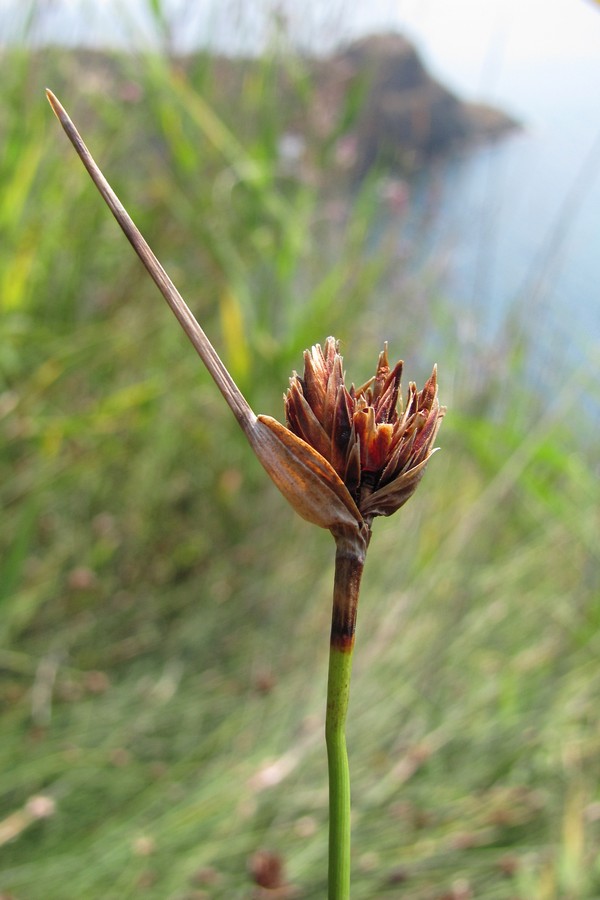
(164, 616)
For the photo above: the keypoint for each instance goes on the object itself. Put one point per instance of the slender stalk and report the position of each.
(349, 562)
(338, 689)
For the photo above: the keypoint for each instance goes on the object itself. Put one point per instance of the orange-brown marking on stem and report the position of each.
(342, 644)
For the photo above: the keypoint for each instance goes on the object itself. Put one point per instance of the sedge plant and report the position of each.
(344, 456)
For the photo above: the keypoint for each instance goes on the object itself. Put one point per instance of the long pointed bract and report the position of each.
(185, 317)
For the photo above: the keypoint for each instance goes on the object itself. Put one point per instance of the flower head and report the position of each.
(378, 448)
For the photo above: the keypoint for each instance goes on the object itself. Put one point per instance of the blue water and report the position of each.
(520, 223)
(517, 228)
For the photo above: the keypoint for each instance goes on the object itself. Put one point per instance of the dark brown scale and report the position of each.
(368, 437)
(369, 482)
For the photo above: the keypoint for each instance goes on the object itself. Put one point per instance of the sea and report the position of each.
(516, 223)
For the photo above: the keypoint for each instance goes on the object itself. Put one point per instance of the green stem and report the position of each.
(338, 689)
(349, 563)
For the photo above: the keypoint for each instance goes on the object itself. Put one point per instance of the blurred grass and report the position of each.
(164, 618)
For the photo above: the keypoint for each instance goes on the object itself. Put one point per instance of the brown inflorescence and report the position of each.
(378, 447)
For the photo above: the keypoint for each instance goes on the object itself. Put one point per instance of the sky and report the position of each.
(487, 48)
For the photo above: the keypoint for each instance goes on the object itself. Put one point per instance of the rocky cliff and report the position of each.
(406, 117)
